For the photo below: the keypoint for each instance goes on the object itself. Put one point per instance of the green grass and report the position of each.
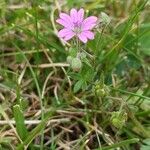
(46, 105)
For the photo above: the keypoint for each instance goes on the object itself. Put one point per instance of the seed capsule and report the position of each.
(101, 90)
(118, 119)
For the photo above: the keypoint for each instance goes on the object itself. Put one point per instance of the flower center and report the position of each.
(77, 28)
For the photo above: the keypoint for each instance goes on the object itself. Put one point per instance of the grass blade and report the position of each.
(35, 132)
(20, 125)
(122, 143)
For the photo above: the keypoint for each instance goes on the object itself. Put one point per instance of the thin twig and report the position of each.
(34, 122)
(52, 65)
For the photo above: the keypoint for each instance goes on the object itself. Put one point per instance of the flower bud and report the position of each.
(105, 18)
(69, 59)
(82, 55)
(76, 64)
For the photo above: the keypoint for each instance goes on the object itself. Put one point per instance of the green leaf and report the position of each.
(86, 61)
(147, 141)
(119, 144)
(20, 122)
(146, 145)
(144, 40)
(73, 52)
(77, 86)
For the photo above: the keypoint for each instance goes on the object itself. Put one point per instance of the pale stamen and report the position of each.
(77, 28)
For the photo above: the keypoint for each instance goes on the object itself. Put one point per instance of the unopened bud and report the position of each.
(82, 55)
(76, 64)
(105, 18)
(69, 59)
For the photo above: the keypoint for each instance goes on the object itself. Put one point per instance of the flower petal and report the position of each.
(74, 15)
(91, 19)
(66, 18)
(64, 32)
(89, 23)
(69, 36)
(88, 27)
(88, 34)
(64, 23)
(80, 15)
(82, 37)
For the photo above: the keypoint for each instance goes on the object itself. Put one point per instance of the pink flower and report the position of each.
(75, 25)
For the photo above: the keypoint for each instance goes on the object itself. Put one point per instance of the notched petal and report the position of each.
(74, 14)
